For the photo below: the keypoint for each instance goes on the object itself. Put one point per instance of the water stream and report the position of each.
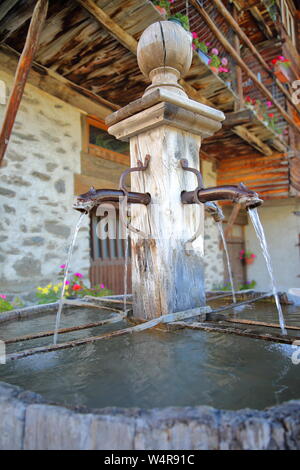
(264, 246)
(220, 227)
(124, 211)
(66, 272)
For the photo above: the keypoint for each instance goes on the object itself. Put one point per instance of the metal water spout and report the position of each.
(94, 197)
(238, 194)
(215, 211)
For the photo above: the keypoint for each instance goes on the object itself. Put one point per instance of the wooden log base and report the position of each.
(169, 318)
(216, 328)
(116, 317)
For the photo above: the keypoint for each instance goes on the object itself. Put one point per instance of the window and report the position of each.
(112, 247)
(288, 20)
(98, 142)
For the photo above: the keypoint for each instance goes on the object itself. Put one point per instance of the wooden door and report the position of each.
(236, 244)
(108, 260)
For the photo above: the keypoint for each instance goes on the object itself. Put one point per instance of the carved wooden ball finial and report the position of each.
(165, 54)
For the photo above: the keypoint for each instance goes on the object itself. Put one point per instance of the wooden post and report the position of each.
(167, 275)
(23, 69)
(239, 72)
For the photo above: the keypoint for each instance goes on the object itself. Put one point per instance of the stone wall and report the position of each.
(28, 422)
(36, 191)
(214, 266)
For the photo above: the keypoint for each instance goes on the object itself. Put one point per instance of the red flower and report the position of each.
(271, 115)
(76, 287)
(274, 61)
(248, 99)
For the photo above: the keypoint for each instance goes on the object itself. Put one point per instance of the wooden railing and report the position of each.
(251, 71)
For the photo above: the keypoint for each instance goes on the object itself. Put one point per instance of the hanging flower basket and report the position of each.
(247, 257)
(282, 73)
(281, 68)
(162, 11)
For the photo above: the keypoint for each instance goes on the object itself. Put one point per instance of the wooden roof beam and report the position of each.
(252, 140)
(261, 23)
(109, 25)
(129, 42)
(58, 86)
(13, 16)
(230, 49)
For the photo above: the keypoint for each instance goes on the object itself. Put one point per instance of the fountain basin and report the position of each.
(114, 394)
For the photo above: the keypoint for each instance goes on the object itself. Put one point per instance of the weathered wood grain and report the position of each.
(31, 45)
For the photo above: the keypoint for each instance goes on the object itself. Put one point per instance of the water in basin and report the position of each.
(157, 368)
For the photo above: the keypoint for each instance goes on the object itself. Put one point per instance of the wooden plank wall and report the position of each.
(269, 176)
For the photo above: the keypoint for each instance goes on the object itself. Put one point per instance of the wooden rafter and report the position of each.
(109, 25)
(23, 69)
(230, 49)
(58, 86)
(252, 140)
(128, 41)
(255, 12)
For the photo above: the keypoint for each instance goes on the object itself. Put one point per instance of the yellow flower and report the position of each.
(39, 289)
(59, 284)
(55, 288)
(45, 290)
(49, 286)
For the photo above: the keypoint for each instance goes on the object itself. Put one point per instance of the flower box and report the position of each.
(282, 73)
(204, 57)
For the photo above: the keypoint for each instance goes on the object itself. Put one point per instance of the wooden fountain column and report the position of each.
(167, 273)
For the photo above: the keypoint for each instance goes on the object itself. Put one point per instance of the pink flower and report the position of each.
(78, 275)
(281, 57)
(102, 286)
(224, 61)
(62, 266)
(215, 51)
(208, 44)
(269, 104)
(195, 35)
(171, 1)
(67, 283)
(193, 46)
(2, 296)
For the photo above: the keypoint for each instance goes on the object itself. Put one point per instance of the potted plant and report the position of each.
(181, 19)
(224, 72)
(201, 47)
(215, 62)
(247, 257)
(281, 66)
(163, 7)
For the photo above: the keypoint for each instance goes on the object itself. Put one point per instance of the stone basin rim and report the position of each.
(31, 422)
